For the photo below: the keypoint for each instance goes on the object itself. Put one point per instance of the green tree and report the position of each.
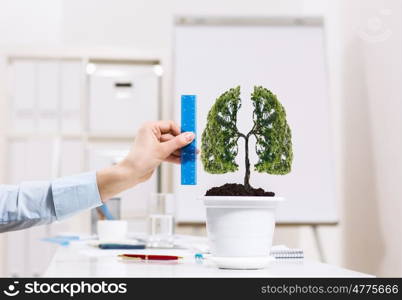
(219, 146)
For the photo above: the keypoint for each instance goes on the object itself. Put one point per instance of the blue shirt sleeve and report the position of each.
(42, 202)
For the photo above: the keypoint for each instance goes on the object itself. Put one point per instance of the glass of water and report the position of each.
(161, 221)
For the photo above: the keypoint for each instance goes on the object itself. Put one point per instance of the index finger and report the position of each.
(168, 127)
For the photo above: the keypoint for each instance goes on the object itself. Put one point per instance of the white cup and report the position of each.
(112, 230)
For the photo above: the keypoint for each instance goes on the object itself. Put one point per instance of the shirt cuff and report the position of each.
(74, 194)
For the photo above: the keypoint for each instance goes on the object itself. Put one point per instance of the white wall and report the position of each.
(372, 128)
(25, 22)
(365, 92)
(147, 24)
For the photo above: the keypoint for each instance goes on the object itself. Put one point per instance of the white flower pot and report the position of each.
(240, 230)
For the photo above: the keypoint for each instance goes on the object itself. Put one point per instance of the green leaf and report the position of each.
(219, 139)
(274, 137)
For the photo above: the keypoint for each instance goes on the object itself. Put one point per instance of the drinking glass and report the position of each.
(161, 221)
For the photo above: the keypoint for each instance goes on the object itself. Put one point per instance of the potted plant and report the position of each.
(241, 218)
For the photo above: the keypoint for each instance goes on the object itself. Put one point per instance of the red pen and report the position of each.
(150, 257)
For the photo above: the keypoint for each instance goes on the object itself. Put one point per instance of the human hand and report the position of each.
(154, 143)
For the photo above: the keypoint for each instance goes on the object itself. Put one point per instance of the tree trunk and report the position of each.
(247, 164)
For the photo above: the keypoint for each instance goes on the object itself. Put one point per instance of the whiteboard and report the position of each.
(288, 59)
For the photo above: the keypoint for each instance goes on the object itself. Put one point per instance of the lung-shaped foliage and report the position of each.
(219, 139)
(274, 138)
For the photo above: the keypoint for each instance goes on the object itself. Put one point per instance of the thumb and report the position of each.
(177, 142)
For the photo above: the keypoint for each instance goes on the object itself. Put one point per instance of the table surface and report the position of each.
(81, 260)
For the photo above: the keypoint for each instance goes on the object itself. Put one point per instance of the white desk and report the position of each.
(81, 260)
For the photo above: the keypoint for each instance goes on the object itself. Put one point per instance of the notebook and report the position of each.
(283, 252)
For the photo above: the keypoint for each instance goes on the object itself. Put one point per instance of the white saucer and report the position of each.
(242, 263)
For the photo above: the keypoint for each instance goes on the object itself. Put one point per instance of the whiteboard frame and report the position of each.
(248, 21)
(315, 21)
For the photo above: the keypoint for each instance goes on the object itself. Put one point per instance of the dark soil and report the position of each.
(235, 189)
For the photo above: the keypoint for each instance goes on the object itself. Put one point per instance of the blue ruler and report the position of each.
(188, 154)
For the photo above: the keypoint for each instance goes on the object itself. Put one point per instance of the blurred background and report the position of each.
(77, 78)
